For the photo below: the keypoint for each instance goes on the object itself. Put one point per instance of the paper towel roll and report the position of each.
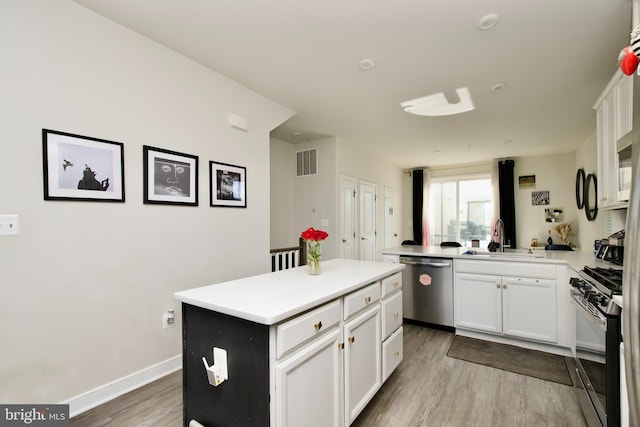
(194, 423)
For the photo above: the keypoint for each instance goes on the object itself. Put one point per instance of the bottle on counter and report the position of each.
(549, 239)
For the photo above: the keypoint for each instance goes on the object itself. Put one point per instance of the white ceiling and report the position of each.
(555, 57)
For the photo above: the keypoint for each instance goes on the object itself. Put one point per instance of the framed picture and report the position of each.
(82, 168)
(170, 178)
(228, 185)
(527, 181)
(539, 198)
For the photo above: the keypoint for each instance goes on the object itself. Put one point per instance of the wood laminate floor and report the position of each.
(428, 389)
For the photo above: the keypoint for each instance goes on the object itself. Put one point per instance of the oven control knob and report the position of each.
(575, 282)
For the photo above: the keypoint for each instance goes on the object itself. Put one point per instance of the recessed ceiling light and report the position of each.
(296, 134)
(367, 64)
(487, 22)
(508, 141)
(436, 151)
(498, 87)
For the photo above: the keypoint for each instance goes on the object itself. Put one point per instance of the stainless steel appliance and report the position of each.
(598, 337)
(427, 290)
(631, 276)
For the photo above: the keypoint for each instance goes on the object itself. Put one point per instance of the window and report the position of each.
(460, 210)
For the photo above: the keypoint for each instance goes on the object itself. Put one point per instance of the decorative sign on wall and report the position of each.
(539, 198)
(527, 181)
(554, 215)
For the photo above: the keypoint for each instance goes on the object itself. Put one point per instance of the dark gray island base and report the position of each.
(243, 400)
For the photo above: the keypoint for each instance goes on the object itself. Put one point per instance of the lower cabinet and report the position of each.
(362, 361)
(309, 385)
(520, 307)
(330, 363)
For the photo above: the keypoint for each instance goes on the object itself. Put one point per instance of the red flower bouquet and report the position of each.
(313, 238)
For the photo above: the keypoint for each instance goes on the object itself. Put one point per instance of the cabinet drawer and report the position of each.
(363, 298)
(391, 353)
(391, 314)
(391, 284)
(306, 326)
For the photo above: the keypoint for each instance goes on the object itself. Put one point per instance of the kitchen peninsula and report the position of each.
(516, 297)
(300, 349)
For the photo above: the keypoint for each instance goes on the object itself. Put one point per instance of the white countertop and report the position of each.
(574, 259)
(272, 297)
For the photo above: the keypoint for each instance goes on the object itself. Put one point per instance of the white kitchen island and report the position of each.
(301, 350)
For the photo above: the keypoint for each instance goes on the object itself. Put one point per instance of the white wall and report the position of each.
(556, 174)
(85, 284)
(315, 195)
(586, 158)
(283, 173)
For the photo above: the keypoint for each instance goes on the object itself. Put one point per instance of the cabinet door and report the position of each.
(529, 308)
(309, 384)
(623, 112)
(362, 361)
(478, 302)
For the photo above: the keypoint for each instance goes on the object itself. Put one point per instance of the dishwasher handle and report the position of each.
(410, 261)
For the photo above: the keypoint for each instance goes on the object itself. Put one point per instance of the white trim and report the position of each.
(531, 345)
(104, 393)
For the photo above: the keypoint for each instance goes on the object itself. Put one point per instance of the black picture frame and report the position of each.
(82, 168)
(169, 177)
(228, 185)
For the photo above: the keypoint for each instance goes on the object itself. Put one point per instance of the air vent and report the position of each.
(307, 162)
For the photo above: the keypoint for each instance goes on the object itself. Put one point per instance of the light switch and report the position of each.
(9, 225)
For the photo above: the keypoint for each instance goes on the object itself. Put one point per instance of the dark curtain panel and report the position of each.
(418, 199)
(507, 201)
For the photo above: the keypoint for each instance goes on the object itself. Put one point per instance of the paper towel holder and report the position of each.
(218, 372)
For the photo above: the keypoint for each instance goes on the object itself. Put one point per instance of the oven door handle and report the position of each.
(602, 323)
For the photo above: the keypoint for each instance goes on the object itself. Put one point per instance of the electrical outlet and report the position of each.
(168, 319)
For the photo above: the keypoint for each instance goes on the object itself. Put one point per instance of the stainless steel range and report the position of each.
(598, 344)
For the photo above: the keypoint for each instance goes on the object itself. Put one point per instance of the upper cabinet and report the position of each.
(614, 118)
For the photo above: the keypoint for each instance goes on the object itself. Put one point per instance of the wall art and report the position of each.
(554, 215)
(170, 178)
(82, 168)
(539, 198)
(527, 181)
(228, 185)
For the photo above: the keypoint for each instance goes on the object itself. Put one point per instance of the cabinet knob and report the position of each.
(498, 285)
(344, 241)
(504, 286)
(396, 353)
(317, 325)
(341, 345)
(395, 315)
(367, 299)
(395, 284)
(352, 339)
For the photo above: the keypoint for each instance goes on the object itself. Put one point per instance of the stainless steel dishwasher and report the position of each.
(427, 290)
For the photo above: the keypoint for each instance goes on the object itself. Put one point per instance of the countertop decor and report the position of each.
(314, 238)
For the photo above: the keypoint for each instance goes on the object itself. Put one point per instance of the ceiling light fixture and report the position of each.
(367, 64)
(438, 105)
(498, 87)
(487, 22)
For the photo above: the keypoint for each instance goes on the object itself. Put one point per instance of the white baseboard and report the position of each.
(110, 391)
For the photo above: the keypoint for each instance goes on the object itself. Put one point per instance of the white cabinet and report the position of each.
(614, 120)
(392, 345)
(309, 384)
(513, 306)
(478, 302)
(529, 308)
(362, 361)
(330, 360)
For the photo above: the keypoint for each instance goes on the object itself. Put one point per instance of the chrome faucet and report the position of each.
(499, 231)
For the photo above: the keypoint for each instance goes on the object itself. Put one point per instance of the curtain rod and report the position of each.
(448, 167)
